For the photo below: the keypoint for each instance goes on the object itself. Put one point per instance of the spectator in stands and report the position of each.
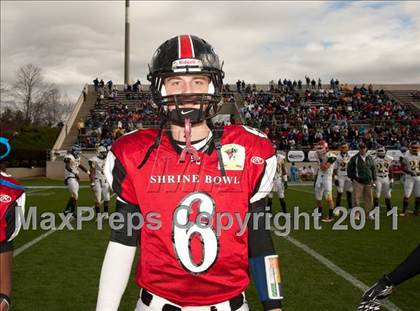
(303, 173)
(81, 126)
(332, 84)
(238, 86)
(136, 88)
(299, 85)
(308, 81)
(84, 94)
(313, 84)
(96, 84)
(311, 172)
(109, 84)
(319, 84)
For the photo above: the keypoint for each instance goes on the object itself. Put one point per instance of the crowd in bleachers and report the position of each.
(115, 113)
(295, 120)
(295, 115)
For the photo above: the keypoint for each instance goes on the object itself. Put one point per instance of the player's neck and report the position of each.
(198, 131)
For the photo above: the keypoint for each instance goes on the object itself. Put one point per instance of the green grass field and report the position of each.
(61, 271)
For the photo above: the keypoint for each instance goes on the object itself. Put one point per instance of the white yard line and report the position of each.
(333, 267)
(51, 187)
(24, 247)
(36, 190)
(337, 270)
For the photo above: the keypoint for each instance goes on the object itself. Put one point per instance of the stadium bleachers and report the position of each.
(294, 118)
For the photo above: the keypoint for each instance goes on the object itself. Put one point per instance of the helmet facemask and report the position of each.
(209, 104)
(321, 148)
(344, 148)
(381, 152)
(414, 148)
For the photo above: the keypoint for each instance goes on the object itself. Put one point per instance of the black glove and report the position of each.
(336, 183)
(381, 290)
(77, 177)
(285, 185)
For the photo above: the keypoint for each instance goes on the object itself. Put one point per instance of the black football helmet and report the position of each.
(183, 55)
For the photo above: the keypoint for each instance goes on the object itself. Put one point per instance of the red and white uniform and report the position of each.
(323, 182)
(12, 205)
(192, 267)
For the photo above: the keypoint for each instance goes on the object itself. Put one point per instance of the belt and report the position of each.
(235, 303)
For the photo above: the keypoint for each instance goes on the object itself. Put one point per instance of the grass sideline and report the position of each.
(61, 272)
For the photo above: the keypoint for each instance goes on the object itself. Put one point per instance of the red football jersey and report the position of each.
(12, 196)
(186, 263)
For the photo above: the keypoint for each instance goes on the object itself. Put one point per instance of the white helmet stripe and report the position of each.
(192, 46)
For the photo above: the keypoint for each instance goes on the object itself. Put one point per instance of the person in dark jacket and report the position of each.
(362, 171)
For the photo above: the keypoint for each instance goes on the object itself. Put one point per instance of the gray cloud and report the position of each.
(76, 41)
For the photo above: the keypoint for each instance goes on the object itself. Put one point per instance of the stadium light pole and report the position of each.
(127, 43)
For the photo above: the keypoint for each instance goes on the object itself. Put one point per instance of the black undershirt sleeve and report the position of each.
(128, 235)
(409, 268)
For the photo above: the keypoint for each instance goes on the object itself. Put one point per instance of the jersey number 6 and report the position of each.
(184, 230)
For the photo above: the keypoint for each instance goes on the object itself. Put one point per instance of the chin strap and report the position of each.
(188, 147)
(154, 146)
(217, 135)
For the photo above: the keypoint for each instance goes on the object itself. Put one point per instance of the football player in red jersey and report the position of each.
(186, 168)
(12, 203)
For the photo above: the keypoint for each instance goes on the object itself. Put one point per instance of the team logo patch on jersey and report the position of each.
(257, 160)
(233, 157)
(5, 198)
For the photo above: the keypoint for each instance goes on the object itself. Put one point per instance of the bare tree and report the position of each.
(28, 89)
(40, 102)
(51, 104)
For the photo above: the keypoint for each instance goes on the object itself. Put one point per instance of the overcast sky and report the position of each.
(75, 41)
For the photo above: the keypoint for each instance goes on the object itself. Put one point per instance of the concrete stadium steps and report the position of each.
(405, 97)
(83, 112)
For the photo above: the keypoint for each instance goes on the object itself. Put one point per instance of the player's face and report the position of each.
(344, 148)
(320, 150)
(186, 84)
(414, 149)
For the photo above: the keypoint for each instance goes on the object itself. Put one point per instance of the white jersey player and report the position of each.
(323, 180)
(384, 179)
(98, 182)
(280, 183)
(71, 177)
(410, 164)
(341, 180)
